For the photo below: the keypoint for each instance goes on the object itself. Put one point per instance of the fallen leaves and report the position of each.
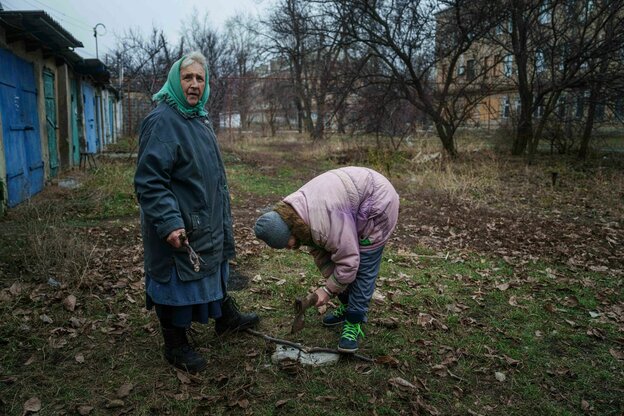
(69, 303)
(325, 398)
(492, 353)
(114, 404)
(410, 325)
(390, 323)
(124, 390)
(427, 321)
(387, 360)
(549, 307)
(281, 403)
(617, 354)
(586, 407)
(84, 410)
(16, 288)
(32, 405)
(242, 403)
(596, 333)
(402, 384)
(46, 319)
(513, 301)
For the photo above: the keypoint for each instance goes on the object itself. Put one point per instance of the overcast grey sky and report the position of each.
(80, 16)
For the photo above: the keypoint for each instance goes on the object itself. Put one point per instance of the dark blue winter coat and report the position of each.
(180, 182)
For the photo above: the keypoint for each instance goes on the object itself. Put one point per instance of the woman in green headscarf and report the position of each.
(187, 87)
(186, 221)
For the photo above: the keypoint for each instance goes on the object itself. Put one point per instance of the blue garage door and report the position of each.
(74, 124)
(20, 128)
(88, 102)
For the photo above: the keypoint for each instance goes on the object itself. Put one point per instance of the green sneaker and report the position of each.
(336, 317)
(350, 334)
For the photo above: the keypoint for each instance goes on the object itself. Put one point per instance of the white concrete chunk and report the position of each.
(316, 359)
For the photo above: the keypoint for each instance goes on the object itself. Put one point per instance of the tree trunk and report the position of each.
(523, 134)
(589, 125)
(446, 134)
(524, 131)
(299, 115)
(549, 109)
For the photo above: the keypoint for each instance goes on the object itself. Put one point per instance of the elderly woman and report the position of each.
(186, 221)
(345, 216)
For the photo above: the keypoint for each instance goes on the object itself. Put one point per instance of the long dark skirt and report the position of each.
(179, 303)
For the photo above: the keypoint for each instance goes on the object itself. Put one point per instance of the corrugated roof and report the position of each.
(95, 69)
(38, 30)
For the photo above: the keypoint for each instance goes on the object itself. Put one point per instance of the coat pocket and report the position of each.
(200, 221)
(200, 233)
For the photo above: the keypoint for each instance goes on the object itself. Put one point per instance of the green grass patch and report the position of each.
(109, 192)
(249, 180)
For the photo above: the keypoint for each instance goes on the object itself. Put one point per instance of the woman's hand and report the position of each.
(322, 295)
(174, 238)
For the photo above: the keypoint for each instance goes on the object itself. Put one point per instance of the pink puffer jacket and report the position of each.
(348, 210)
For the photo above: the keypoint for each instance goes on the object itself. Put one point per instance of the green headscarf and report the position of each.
(173, 95)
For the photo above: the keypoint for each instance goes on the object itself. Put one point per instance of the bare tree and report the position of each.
(310, 39)
(241, 34)
(402, 36)
(607, 61)
(200, 35)
(142, 64)
(553, 47)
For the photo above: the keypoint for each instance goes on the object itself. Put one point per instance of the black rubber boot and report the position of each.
(179, 353)
(232, 320)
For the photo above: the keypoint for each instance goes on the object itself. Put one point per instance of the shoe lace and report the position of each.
(352, 331)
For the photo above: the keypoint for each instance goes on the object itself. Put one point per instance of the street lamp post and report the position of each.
(95, 33)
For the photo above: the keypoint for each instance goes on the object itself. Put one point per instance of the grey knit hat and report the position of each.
(272, 229)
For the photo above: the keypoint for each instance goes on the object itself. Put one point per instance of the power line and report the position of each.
(58, 15)
(77, 21)
(6, 7)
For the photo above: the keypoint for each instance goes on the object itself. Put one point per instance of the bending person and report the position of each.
(345, 216)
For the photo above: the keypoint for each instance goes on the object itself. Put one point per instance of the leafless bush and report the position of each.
(48, 247)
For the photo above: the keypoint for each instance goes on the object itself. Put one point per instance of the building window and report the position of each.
(587, 10)
(505, 26)
(470, 69)
(545, 16)
(505, 107)
(495, 66)
(461, 66)
(539, 111)
(580, 104)
(486, 66)
(540, 65)
(508, 65)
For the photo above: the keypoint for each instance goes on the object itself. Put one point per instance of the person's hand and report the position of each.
(174, 238)
(322, 296)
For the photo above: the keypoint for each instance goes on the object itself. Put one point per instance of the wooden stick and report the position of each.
(308, 350)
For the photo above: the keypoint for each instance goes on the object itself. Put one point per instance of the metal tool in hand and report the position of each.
(195, 259)
(301, 305)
